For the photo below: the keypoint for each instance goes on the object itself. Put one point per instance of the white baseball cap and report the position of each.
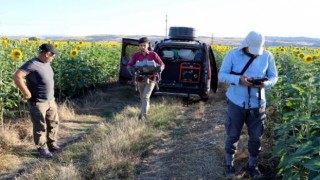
(254, 41)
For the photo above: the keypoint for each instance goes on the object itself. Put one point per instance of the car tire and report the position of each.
(182, 33)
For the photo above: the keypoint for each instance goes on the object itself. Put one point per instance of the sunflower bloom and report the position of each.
(5, 44)
(16, 54)
(308, 59)
(56, 45)
(301, 55)
(74, 53)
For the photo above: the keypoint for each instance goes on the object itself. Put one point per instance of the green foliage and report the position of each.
(296, 101)
(94, 65)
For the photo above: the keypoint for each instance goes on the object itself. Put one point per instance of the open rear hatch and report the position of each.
(129, 47)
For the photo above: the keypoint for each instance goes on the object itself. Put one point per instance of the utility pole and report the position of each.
(211, 38)
(166, 27)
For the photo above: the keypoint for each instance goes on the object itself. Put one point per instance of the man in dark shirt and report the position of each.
(145, 85)
(39, 92)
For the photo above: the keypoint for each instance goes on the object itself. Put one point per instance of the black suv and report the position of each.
(190, 66)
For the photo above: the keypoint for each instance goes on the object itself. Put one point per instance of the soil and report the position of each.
(192, 151)
(199, 152)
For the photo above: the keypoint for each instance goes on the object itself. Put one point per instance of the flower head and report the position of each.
(74, 53)
(56, 45)
(301, 55)
(5, 44)
(16, 54)
(308, 59)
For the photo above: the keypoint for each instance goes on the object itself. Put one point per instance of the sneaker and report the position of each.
(44, 153)
(253, 171)
(55, 148)
(229, 171)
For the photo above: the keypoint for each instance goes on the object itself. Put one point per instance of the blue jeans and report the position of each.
(254, 120)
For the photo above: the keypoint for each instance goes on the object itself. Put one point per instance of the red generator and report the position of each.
(190, 72)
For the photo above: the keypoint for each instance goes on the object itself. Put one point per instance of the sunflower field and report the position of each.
(79, 67)
(294, 110)
(293, 103)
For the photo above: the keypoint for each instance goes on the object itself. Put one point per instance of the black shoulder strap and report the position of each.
(252, 57)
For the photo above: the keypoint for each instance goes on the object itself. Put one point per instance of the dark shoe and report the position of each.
(44, 153)
(142, 117)
(229, 171)
(55, 148)
(253, 171)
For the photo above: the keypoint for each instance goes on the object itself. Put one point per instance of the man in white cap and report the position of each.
(249, 69)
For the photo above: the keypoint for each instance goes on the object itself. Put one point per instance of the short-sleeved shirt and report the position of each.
(40, 80)
(150, 55)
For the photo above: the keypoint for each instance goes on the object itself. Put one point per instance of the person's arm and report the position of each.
(159, 61)
(18, 78)
(131, 63)
(272, 73)
(225, 71)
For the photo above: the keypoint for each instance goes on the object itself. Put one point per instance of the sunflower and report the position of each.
(27, 41)
(56, 45)
(74, 53)
(301, 55)
(308, 59)
(5, 44)
(16, 54)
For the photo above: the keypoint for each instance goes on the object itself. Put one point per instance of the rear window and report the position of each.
(183, 54)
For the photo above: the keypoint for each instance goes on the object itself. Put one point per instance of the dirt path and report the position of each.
(194, 149)
(199, 153)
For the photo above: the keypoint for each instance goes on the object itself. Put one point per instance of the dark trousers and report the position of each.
(45, 120)
(254, 120)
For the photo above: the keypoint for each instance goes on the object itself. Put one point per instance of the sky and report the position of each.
(213, 18)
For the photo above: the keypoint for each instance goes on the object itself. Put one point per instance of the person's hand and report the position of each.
(26, 95)
(244, 81)
(259, 86)
(158, 69)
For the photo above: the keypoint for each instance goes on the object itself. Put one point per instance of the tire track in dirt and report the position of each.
(199, 153)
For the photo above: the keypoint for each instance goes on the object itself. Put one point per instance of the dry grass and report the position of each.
(112, 139)
(8, 138)
(119, 152)
(104, 139)
(66, 111)
(68, 172)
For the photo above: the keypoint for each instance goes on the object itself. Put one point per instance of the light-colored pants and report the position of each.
(145, 90)
(44, 116)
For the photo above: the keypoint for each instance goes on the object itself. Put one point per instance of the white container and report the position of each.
(146, 66)
(186, 54)
(168, 54)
